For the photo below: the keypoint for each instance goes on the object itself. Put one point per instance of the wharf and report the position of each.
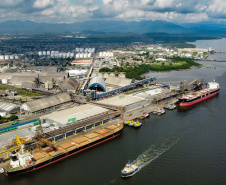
(138, 112)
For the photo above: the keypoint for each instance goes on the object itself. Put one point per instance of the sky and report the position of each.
(69, 11)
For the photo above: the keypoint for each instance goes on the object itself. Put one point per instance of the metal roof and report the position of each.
(44, 103)
(96, 82)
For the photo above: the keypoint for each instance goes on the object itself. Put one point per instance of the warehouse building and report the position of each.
(97, 83)
(45, 103)
(8, 108)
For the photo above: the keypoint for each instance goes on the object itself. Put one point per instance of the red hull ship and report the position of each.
(201, 95)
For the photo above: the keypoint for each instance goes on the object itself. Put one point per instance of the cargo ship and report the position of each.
(200, 95)
(24, 160)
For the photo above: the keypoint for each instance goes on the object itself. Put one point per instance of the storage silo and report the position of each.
(48, 53)
(72, 55)
(77, 55)
(44, 53)
(11, 57)
(81, 55)
(6, 57)
(16, 57)
(2, 57)
(4, 81)
(85, 55)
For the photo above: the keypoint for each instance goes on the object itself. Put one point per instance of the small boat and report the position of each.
(155, 111)
(129, 170)
(137, 124)
(2, 170)
(145, 114)
(167, 106)
(126, 122)
(131, 123)
(171, 107)
(160, 111)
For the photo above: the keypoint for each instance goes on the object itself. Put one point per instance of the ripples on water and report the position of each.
(155, 151)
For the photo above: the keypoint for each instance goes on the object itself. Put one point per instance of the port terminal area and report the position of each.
(60, 125)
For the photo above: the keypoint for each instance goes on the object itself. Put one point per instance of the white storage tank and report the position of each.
(40, 53)
(72, 55)
(81, 55)
(4, 81)
(44, 53)
(6, 57)
(85, 55)
(48, 52)
(16, 57)
(2, 57)
(77, 55)
(11, 57)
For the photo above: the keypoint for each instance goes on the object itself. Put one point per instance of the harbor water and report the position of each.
(181, 147)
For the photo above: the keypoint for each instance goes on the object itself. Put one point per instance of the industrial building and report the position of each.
(70, 85)
(97, 83)
(45, 103)
(78, 113)
(127, 102)
(8, 108)
(18, 80)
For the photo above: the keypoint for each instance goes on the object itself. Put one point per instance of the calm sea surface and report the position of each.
(180, 147)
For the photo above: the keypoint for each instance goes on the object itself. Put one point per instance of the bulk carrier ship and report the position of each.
(25, 159)
(198, 96)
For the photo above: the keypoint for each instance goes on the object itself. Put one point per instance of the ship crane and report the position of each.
(18, 141)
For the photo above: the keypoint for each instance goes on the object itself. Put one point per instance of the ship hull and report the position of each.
(192, 102)
(64, 155)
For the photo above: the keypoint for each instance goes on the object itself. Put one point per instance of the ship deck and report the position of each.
(64, 146)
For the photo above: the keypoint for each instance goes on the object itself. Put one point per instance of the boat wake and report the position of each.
(154, 152)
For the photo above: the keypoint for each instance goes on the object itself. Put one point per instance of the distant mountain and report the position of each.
(110, 27)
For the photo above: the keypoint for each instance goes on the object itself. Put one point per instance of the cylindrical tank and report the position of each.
(6, 57)
(2, 57)
(11, 57)
(4, 81)
(40, 53)
(16, 57)
(48, 53)
(44, 53)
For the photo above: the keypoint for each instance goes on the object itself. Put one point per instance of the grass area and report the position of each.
(21, 92)
(5, 120)
(177, 63)
(180, 45)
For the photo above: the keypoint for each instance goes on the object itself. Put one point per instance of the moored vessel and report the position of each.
(198, 96)
(131, 123)
(137, 124)
(24, 159)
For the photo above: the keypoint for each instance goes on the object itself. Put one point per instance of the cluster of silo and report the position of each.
(84, 52)
(57, 54)
(106, 54)
(9, 57)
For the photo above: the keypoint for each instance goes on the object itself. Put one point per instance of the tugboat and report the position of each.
(145, 114)
(160, 111)
(137, 124)
(171, 107)
(126, 122)
(131, 123)
(129, 170)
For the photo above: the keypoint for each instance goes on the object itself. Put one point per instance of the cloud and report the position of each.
(59, 11)
(217, 8)
(43, 3)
